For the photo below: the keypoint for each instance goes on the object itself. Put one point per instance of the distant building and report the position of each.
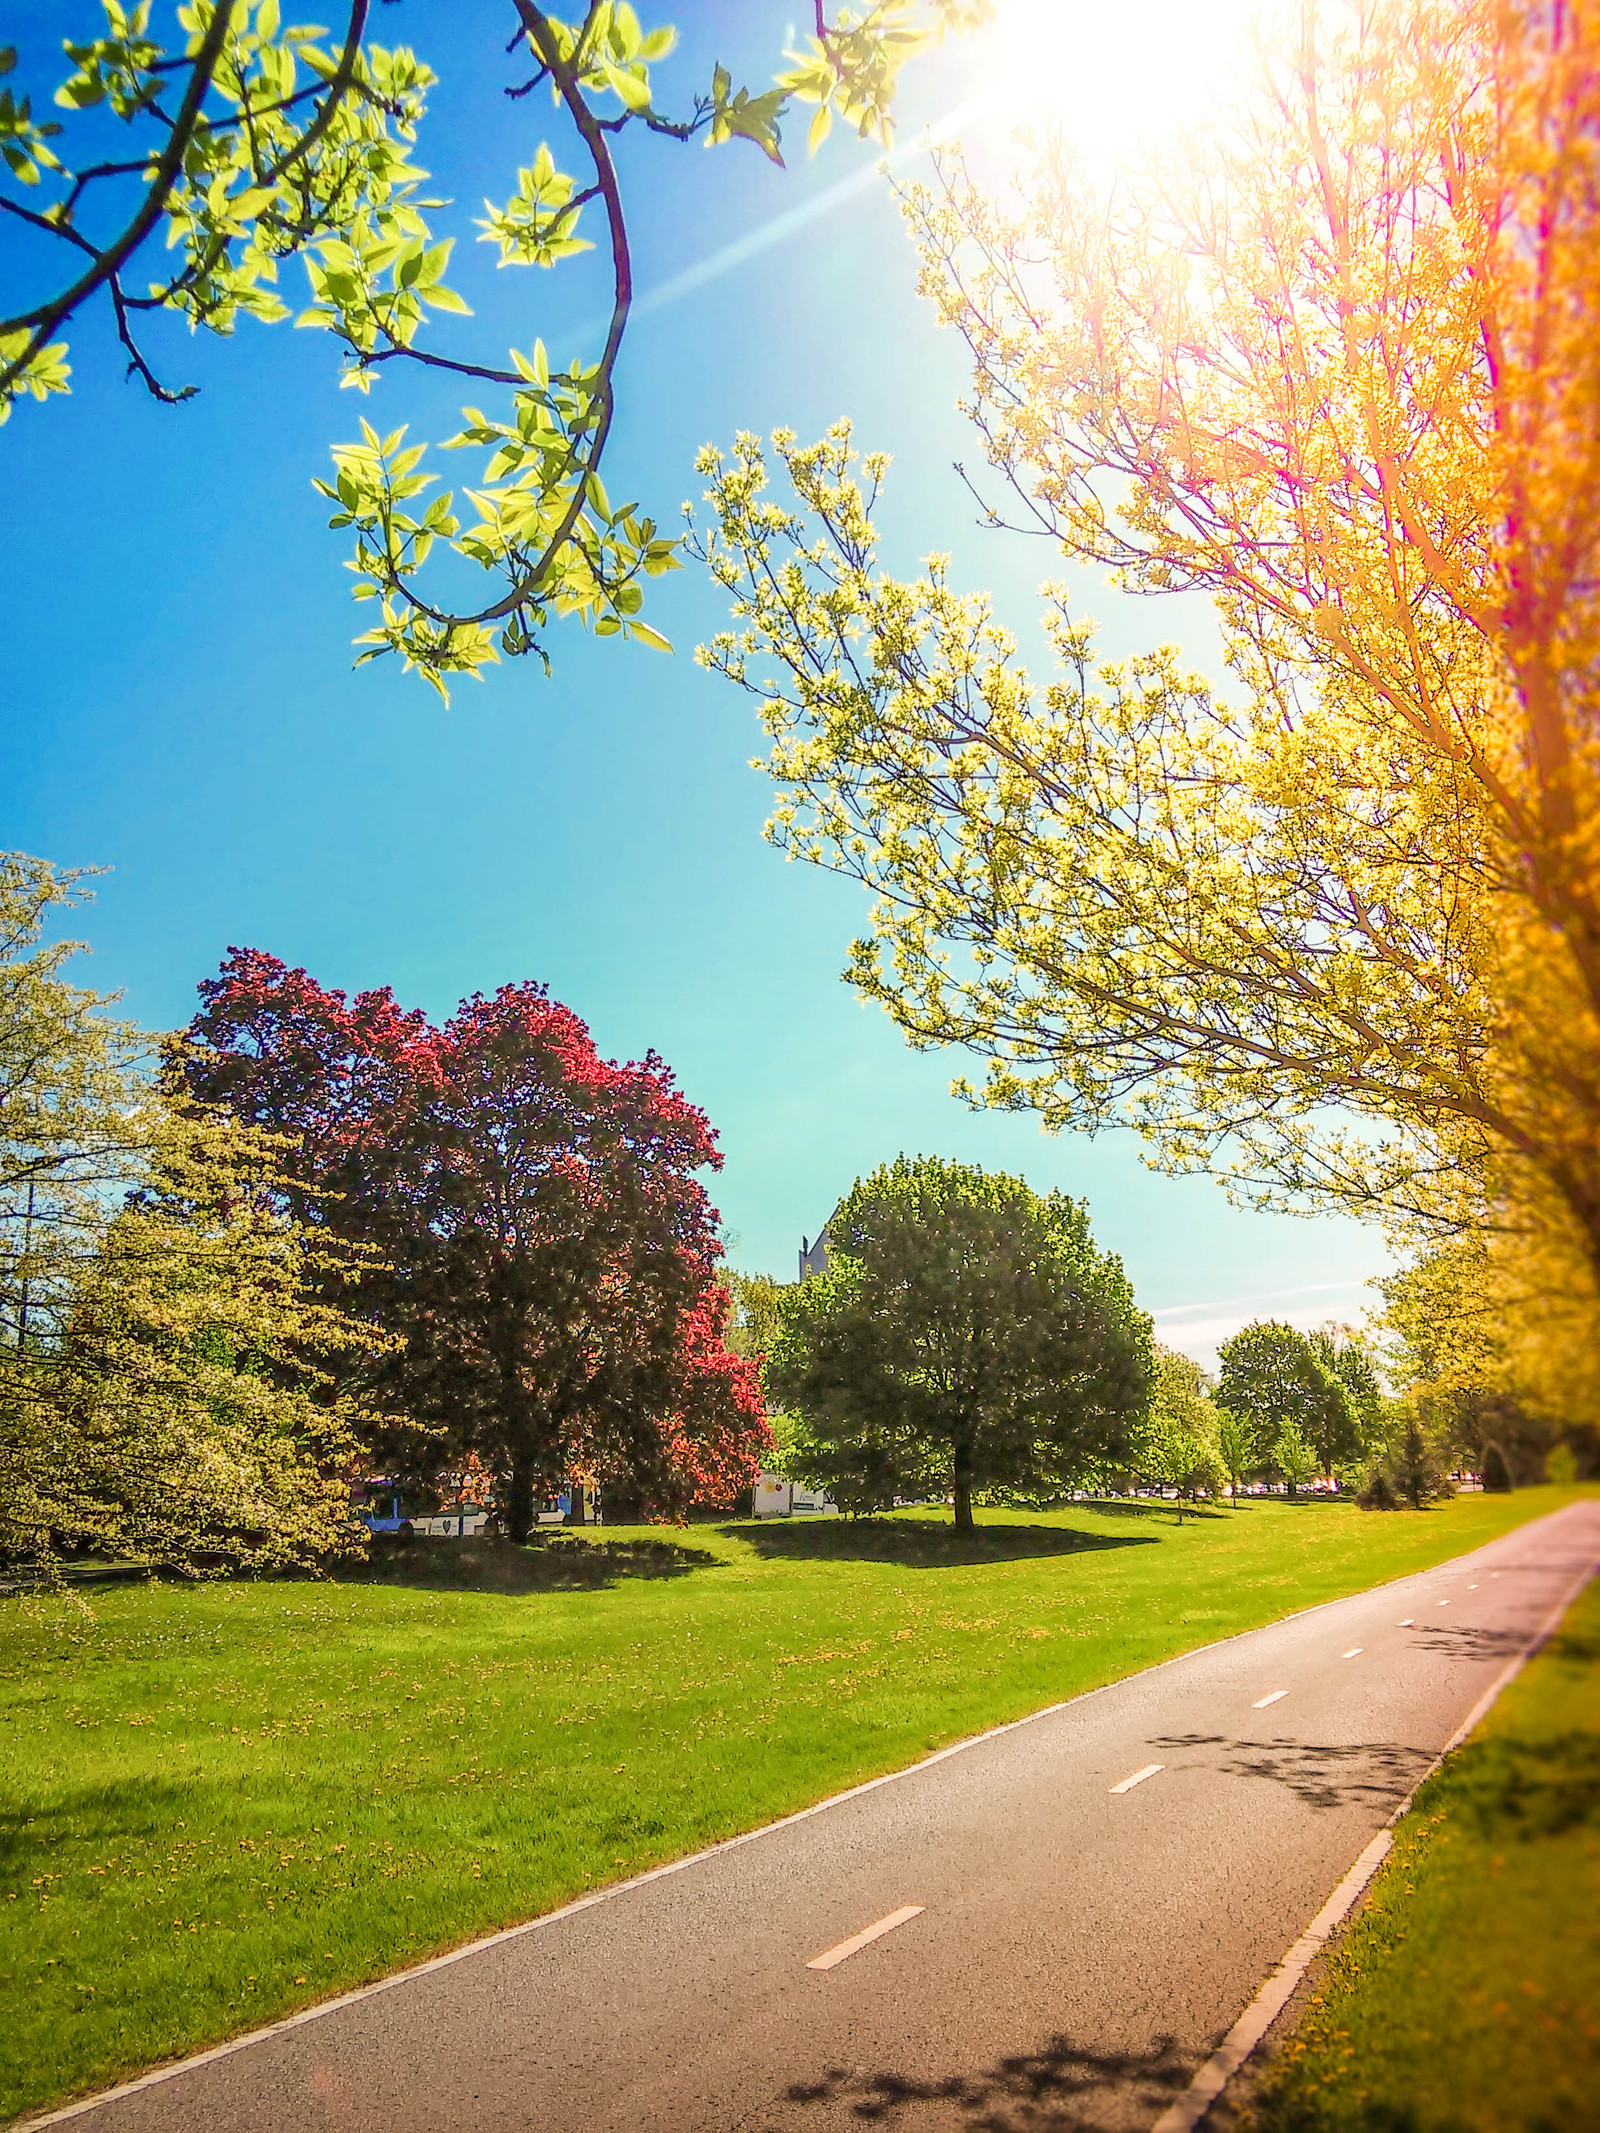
(814, 1256)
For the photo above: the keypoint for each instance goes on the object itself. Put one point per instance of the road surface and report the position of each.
(1069, 1912)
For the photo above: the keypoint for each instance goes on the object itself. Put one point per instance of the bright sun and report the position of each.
(1116, 72)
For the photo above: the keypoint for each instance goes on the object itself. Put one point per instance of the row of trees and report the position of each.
(312, 1236)
(968, 1339)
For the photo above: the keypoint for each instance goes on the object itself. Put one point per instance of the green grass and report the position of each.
(1466, 1998)
(219, 1803)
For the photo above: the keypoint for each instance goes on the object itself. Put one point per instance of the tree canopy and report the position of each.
(966, 1334)
(172, 1387)
(1331, 362)
(1273, 1378)
(544, 1252)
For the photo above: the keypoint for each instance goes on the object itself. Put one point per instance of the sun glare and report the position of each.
(1116, 74)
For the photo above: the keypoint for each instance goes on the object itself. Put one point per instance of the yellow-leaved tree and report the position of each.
(172, 1388)
(1331, 362)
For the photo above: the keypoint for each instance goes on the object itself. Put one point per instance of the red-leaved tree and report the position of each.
(546, 1250)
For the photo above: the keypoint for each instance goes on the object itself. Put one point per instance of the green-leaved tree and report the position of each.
(1235, 1448)
(967, 1334)
(1293, 1456)
(1272, 1375)
(164, 1389)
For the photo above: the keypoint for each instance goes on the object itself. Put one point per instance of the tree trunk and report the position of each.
(624, 1502)
(575, 1515)
(519, 1510)
(963, 1490)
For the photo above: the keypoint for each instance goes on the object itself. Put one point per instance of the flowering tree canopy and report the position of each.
(1331, 362)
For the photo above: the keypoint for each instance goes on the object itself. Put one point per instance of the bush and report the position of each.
(1408, 1473)
(1377, 1492)
(1496, 1474)
(1561, 1466)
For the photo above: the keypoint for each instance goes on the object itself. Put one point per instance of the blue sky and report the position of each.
(179, 706)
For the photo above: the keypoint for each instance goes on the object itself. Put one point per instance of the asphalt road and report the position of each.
(1070, 1950)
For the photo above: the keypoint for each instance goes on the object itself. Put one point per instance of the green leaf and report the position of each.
(633, 92)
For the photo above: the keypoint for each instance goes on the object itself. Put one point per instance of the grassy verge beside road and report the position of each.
(1467, 1994)
(221, 1803)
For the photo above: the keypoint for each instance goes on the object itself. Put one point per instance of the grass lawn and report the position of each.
(220, 1803)
(1467, 1994)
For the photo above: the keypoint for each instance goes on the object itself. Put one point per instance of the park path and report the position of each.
(1071, 1912)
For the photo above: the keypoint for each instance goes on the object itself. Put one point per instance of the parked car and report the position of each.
(385, 1510)
(458, 1521)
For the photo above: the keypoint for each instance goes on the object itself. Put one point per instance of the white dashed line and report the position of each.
(1472, 1588)
(1354, 1652)
(1444, 1603)
(1261, 1702)
(1406, 1624)
(1139, 1777)
(830, 1956)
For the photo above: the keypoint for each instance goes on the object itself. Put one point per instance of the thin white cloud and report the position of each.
(1237, 1303)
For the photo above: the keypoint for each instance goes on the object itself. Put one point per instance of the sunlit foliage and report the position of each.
(253, 144)
(1334, 932)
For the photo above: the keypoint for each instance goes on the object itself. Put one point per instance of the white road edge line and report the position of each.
(1139, 1777)
(1270, 2001)
(396, 1978)
(1261, 1702)
(831, 1956)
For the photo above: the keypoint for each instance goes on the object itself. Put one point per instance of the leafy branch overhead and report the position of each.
(1334, 930)
(250, 143)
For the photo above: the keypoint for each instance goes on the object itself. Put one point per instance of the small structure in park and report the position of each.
(778, 1497)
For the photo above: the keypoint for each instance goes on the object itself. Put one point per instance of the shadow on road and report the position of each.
(1320, 1775)
(1061, 2086)
(556, 1562)
(1463, 1640)
(918, 1543)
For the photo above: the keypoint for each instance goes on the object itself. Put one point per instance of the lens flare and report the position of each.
(1117, 77)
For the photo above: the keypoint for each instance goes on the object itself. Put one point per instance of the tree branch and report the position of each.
(46, 318)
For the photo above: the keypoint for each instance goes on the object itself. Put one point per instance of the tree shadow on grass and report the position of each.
(1510, 1788)
(918, 1543)
(89, 1820)
(1062, 2085)
(554, 1562)
(1151, 1507)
